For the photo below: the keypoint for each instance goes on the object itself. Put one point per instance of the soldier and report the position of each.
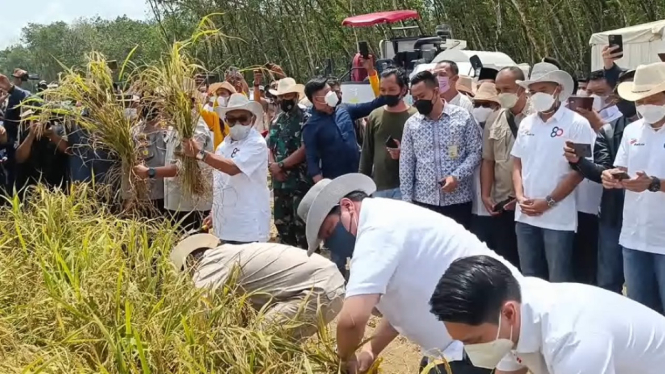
(287, 162)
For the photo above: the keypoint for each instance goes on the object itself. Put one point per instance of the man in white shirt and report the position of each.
(400, 252)
(241, 198)
(280, 279)
(447, 73)
(546, 214)
(639, 169)
(532, 325)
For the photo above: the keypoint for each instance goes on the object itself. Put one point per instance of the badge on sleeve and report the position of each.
(452, 151)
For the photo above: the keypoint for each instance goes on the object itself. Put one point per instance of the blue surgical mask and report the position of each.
(341, 242)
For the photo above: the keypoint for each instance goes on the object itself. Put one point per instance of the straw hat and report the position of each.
(225, 85)
(187, 246)
(240, 102)
(649, 80)
(323, 197)
(18, 73)
(465, 84)
(546, 72)
(287, 86)
(487, 92)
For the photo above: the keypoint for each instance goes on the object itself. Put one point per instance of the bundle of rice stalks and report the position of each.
(172, 84)
(82, 291)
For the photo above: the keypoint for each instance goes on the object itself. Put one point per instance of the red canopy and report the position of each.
(372, 19)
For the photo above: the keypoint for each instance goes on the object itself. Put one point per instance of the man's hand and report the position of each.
(207, 222)
(190, 148)
(365, 359)
(569, 153)
(449, 184)
(394, 152)
(274, 168)
(609, 182)
(535, 207)
(368, 64)
(593, 117)
(489, 205)
(317, 178)
(141, 171)
(5, 83)
(609, 56)
(638, 184)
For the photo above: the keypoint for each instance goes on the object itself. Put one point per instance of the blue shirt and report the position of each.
(86, 162)
(13, 114)
(330, 139)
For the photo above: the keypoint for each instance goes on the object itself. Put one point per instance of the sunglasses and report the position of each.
(237, 119)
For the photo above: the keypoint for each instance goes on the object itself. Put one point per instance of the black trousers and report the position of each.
(504, 237)
(458, 367)
(585, 251)
(187, 221)
(461, 213)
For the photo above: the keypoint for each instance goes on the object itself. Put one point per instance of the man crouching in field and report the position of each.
(283, 279)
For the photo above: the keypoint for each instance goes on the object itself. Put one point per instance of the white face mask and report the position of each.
(542, 102)
(582, 93)
(488, 355)
(481, 114)
(221, 101)
(331, 99)
(598, 102)
(239, 132)
(651, 113)
(508, 100)
(131, 113)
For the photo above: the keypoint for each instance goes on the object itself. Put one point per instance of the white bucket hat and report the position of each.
(649, 80)
(323, 197)
(240, 102)
(190, 244)
(546, 72)
(287, 86)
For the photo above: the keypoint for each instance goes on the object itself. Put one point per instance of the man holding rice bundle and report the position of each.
(296, 292)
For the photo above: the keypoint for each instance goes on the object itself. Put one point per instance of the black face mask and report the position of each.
(287, 105)
(392, 100)
(627, 108)
(424, 106)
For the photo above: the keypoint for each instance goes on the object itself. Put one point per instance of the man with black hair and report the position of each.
(380, 156)
(329, 135)
(519, 325)
(12, 120)
(398, 252)
(441, 148)
(447, 75)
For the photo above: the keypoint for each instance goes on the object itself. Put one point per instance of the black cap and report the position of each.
(626, 75)
(552, 61)
(487, 73)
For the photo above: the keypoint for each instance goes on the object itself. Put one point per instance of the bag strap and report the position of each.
(510, 117)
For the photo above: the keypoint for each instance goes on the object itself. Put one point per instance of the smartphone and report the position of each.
(661, 56)
(576, 102)
(363, 49)
(391, 143)
(476, 64)
(501, 206)
(616, 40)
(581, 150)
(621, 176)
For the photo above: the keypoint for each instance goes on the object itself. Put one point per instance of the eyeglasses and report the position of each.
(237, 119)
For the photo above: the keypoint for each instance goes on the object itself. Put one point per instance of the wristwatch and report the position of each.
(655, 185)
(201, 155)
(550, 201)
(152, 173)
(280, 164)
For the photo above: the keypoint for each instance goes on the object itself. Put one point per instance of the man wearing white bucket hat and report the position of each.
(400, 252)
(546, 214)
(640, 169)
(241, 199)
(287, 166)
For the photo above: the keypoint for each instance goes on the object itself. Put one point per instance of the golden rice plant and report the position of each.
(83, 291)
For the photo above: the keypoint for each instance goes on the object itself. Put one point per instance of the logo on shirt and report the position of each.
(634, 142)
(556, 132)
(233, 153)
(526, 132)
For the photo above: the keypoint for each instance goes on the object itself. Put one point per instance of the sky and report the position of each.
(15, 15)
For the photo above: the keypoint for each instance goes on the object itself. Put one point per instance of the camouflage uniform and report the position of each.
(285, 138)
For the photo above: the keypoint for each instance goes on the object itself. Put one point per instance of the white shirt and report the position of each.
(401, 252)
(241, 203)
(570, 328)
(643, 149)
(463, 101)
(589, 193)
(540, 145)
(174, 197)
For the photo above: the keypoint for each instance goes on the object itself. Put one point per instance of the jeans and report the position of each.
(610, 258)
(340, 244)
(545, 253)
(585, 252)
(393, 193)
(645, 278)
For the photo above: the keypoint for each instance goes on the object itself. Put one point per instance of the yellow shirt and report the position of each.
(212, 120)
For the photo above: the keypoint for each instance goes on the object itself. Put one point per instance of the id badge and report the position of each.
(452, 151)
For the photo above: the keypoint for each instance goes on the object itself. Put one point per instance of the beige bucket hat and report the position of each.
(487, 92)
(323, 197)
(546, 72)
(649, 80)
(187, 246)
(240, 102)
(287, 86)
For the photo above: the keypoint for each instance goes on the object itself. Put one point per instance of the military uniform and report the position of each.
(285, 137)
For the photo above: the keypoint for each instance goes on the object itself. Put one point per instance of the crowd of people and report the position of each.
(495, 223)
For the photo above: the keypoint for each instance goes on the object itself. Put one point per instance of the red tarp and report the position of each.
(372, 19)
